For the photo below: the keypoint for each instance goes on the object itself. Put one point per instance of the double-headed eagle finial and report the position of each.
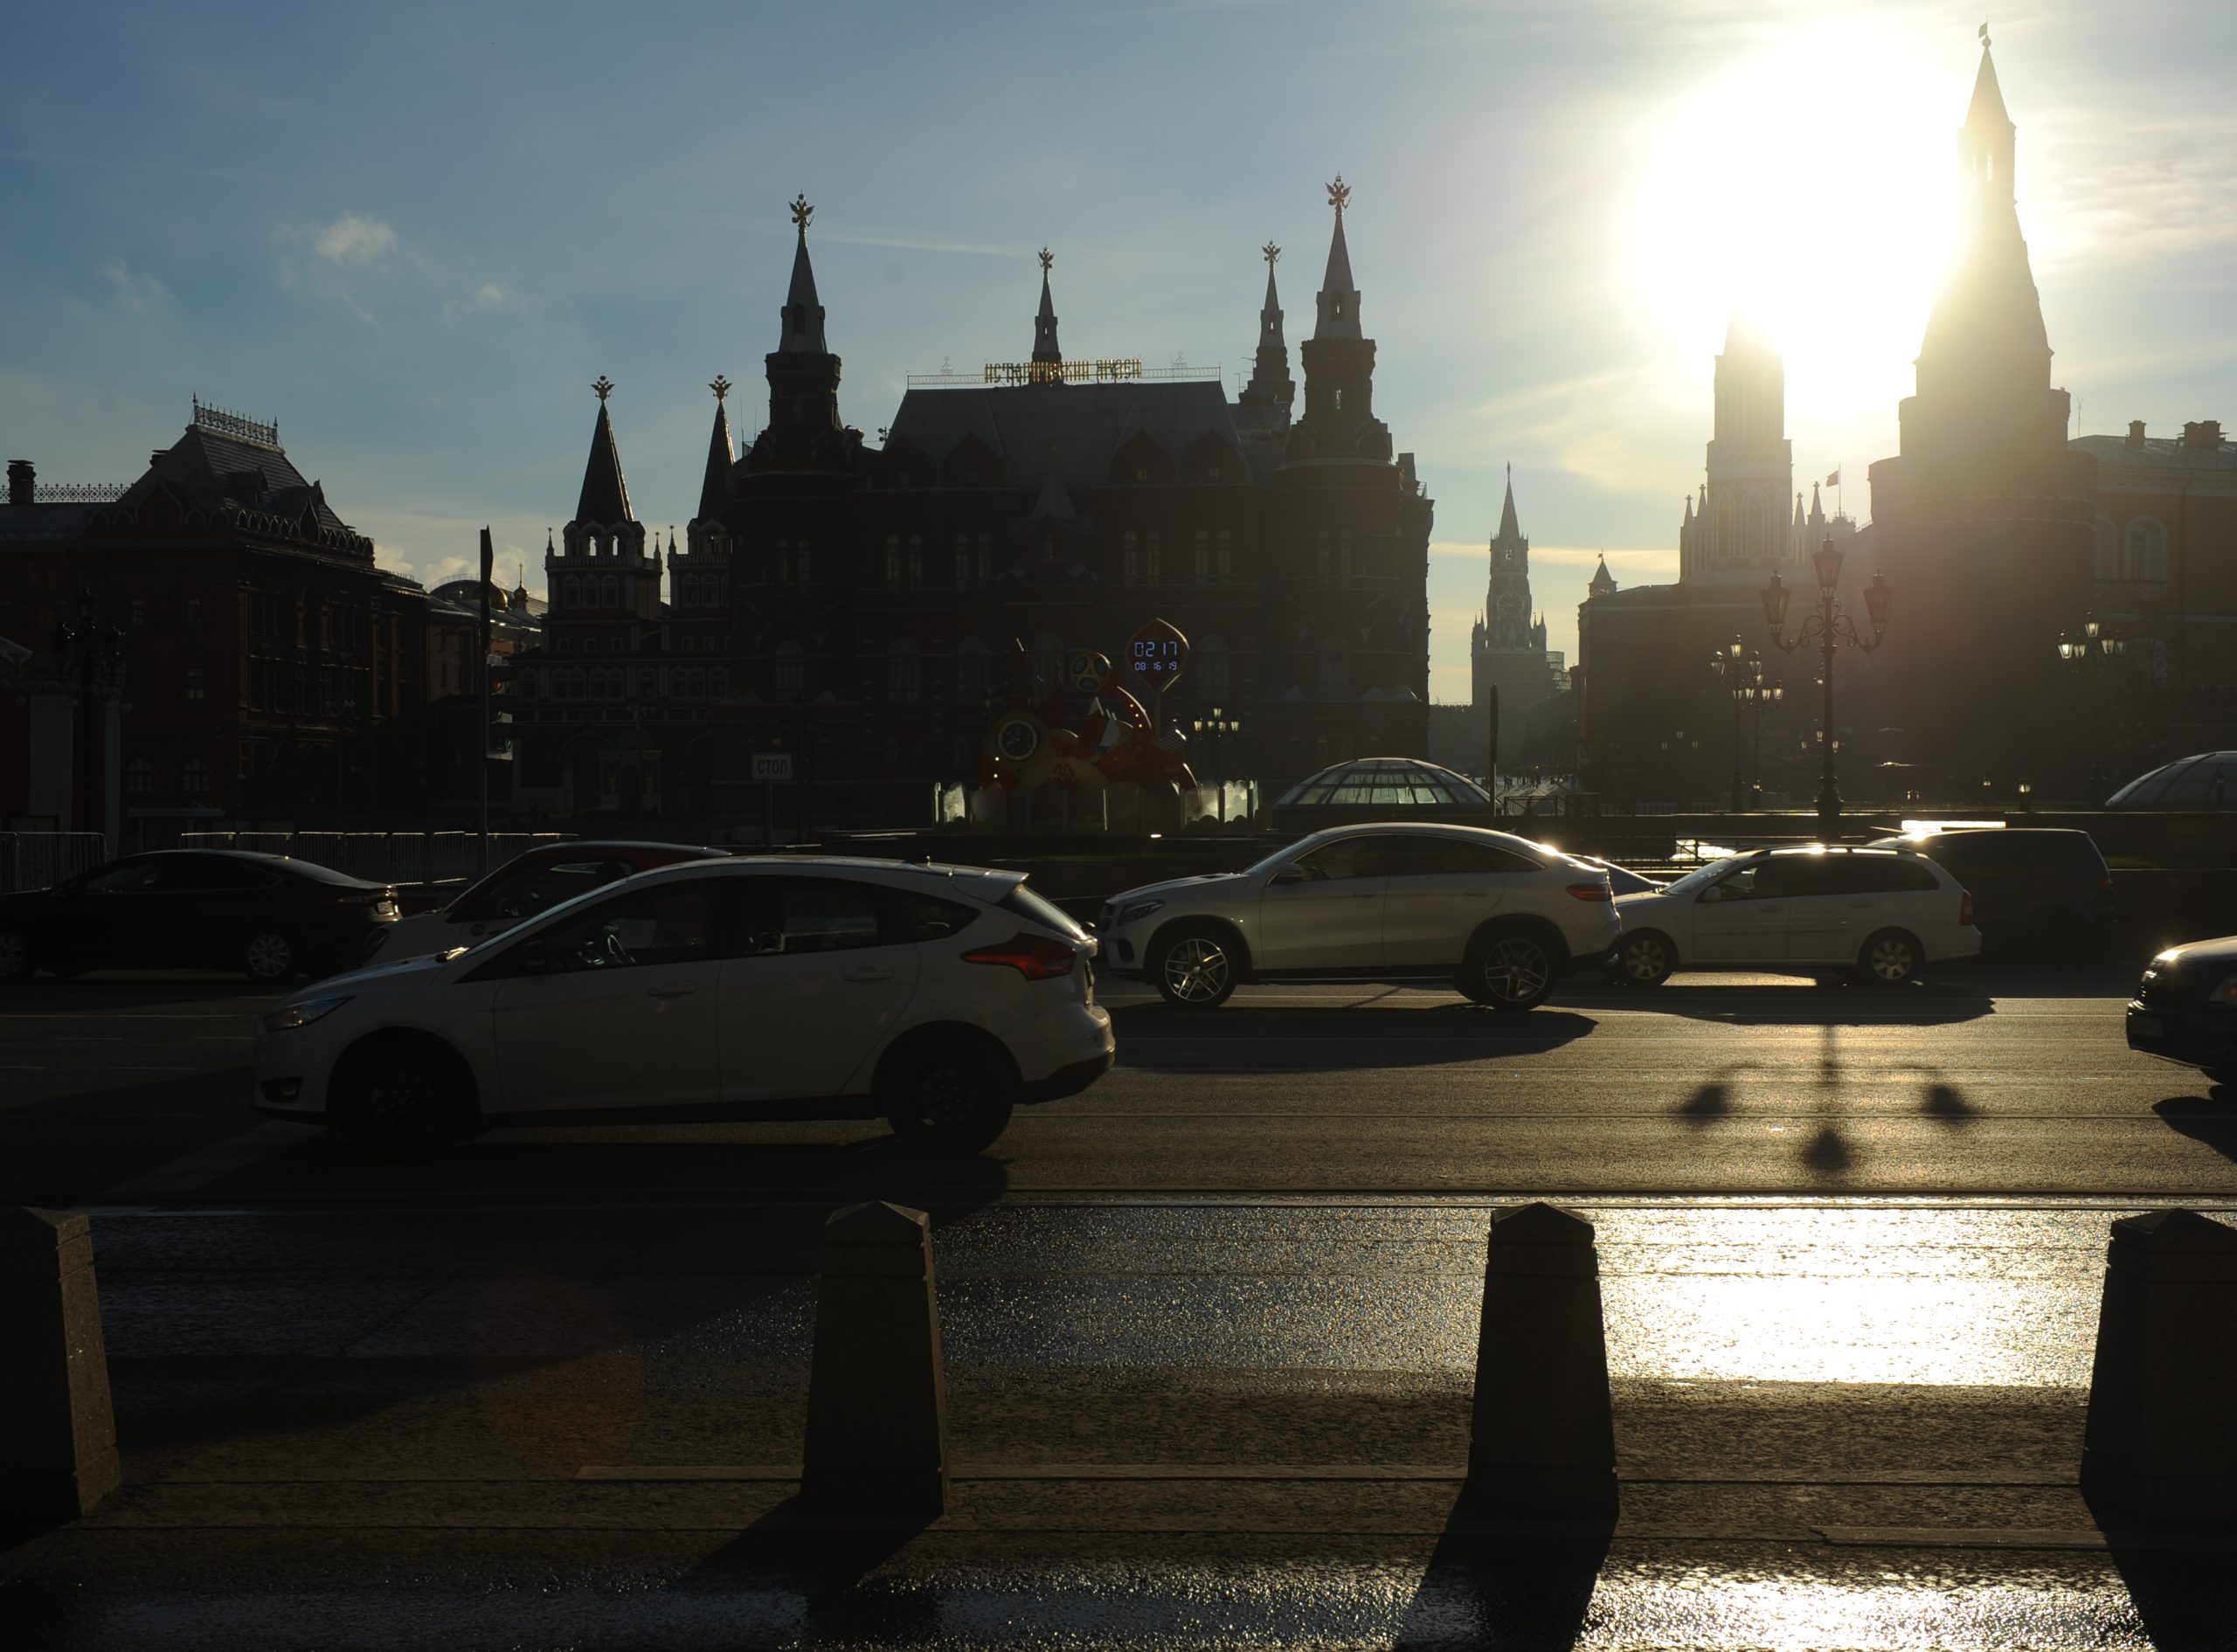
(1048, 259)
(801, 213)
(721, 385)
(604, 387)
(1984, 37)
(1271, 253)
(1339, 193)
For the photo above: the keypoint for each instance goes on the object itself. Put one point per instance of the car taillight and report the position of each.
(1965, 909)
(1035, 957)
(1590, 892)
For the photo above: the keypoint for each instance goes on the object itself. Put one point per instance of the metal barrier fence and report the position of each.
(41, 860)
(386, 857)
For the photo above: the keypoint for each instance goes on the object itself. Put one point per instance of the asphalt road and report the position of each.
(133, 1092)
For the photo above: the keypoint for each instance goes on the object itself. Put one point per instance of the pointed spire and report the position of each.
(1338, 315)
(1045, 324)
(1509, 529)
(1987, 109)
(803, 314)
(714, 486)
(605, 498)
(1270, 316)
(1271, 385)
(1604, 583)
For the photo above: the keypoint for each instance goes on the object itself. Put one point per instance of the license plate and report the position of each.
(2147, 1026)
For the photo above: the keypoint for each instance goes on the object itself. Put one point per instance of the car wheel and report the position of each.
(1195, 967)
(398, 1096)
(948, 1096)
(1509, 969)
(1890, 959)
(1645, 959)
(268, 956)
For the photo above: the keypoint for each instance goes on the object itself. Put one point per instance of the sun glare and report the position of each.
(1812, 188)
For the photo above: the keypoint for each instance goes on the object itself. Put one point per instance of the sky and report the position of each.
(414, 234)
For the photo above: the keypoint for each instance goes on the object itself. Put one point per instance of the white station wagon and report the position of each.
(1885, 913)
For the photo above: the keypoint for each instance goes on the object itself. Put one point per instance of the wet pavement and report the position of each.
(1209, 1332)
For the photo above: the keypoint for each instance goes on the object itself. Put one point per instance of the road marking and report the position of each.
(205, 1165)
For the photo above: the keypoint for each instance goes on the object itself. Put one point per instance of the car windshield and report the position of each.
(1282, 856)
(1700, 875)
(567, 905)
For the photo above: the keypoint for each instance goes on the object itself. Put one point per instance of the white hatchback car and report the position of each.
(1501, 917)
(935, 997)
(1884, 912)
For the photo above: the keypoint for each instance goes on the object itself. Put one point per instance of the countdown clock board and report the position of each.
(1157, 655)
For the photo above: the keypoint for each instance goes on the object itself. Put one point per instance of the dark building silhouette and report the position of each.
(270, 669)
(1983, 521)
(854, 606)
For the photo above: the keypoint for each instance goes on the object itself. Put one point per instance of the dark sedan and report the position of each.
(2185, 1008)
(271, 917)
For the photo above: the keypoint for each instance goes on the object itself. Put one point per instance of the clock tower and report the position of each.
(1509, 645)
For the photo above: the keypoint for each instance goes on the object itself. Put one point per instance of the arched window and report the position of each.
(648, 683)
(609, 592)
(901, 680)
(2107, 561)
(804, 561)
(687, 591)
(791, 671)
(194, 778)
(1203, 563)
(1344, 553)
(2146, 552)
(1207, 659)
(1339, 389)
(985, 559)
(571, 591)
(916, 562)
(1335, 679)
(962, 562)
(719, 683)
(1048, 657)
(1130, 559)
(970, 671)
(1226, 565)
(139, 777)
(780, 563)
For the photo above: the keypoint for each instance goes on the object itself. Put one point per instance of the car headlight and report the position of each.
(291, 1016)
(1135, 910)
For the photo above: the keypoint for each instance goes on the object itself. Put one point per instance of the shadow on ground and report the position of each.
(1154, 1037)
(1487, 1586)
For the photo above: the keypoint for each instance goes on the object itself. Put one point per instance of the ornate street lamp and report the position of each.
(1738, 669)
(1829, 627)
(2083, 649)
(1758, 694)
(1219, 724)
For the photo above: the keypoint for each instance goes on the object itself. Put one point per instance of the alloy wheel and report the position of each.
(271, 958)
(1892, 959)
(1197, 971)
(1515, 968)
(1646, 961)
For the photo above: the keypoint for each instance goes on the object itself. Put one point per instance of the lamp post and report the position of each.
(1219, 725)
(1758, 694)
(1730, 665)
(1828, 628)
(2083, 649)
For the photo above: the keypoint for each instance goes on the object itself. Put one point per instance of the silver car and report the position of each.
(1499, 917)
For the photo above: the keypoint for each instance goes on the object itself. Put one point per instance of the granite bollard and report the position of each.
(2160, 1444)
(58, 1445)
(1542, 1436)
(876, 1447)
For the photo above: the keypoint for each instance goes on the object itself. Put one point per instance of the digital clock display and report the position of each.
(1158, 655)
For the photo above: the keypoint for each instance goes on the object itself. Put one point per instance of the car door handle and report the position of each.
(865, 976)
(670, 989)
(1363, 894)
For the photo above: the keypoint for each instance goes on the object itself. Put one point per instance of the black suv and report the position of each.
(2045, 887)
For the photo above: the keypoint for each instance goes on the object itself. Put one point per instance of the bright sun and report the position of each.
(1811, 188)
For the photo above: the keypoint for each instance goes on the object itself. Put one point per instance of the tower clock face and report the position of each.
(1509, 606)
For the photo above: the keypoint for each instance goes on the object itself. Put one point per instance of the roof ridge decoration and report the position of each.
(218, 422)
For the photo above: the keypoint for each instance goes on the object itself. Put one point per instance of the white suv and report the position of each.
(1499, 917)
(1886, 913)
(935, 997)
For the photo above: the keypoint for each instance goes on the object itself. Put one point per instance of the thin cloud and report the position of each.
(134, 290)
(353, 238)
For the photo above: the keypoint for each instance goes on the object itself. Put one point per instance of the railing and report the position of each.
(999, 374)
(78, 493)
(382, 857)
(41, 860)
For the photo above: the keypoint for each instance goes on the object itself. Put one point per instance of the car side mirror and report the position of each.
(1288, 874)
(1714, 892)
(532, 959)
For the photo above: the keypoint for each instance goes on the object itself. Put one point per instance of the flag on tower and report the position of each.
(1834, 481)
